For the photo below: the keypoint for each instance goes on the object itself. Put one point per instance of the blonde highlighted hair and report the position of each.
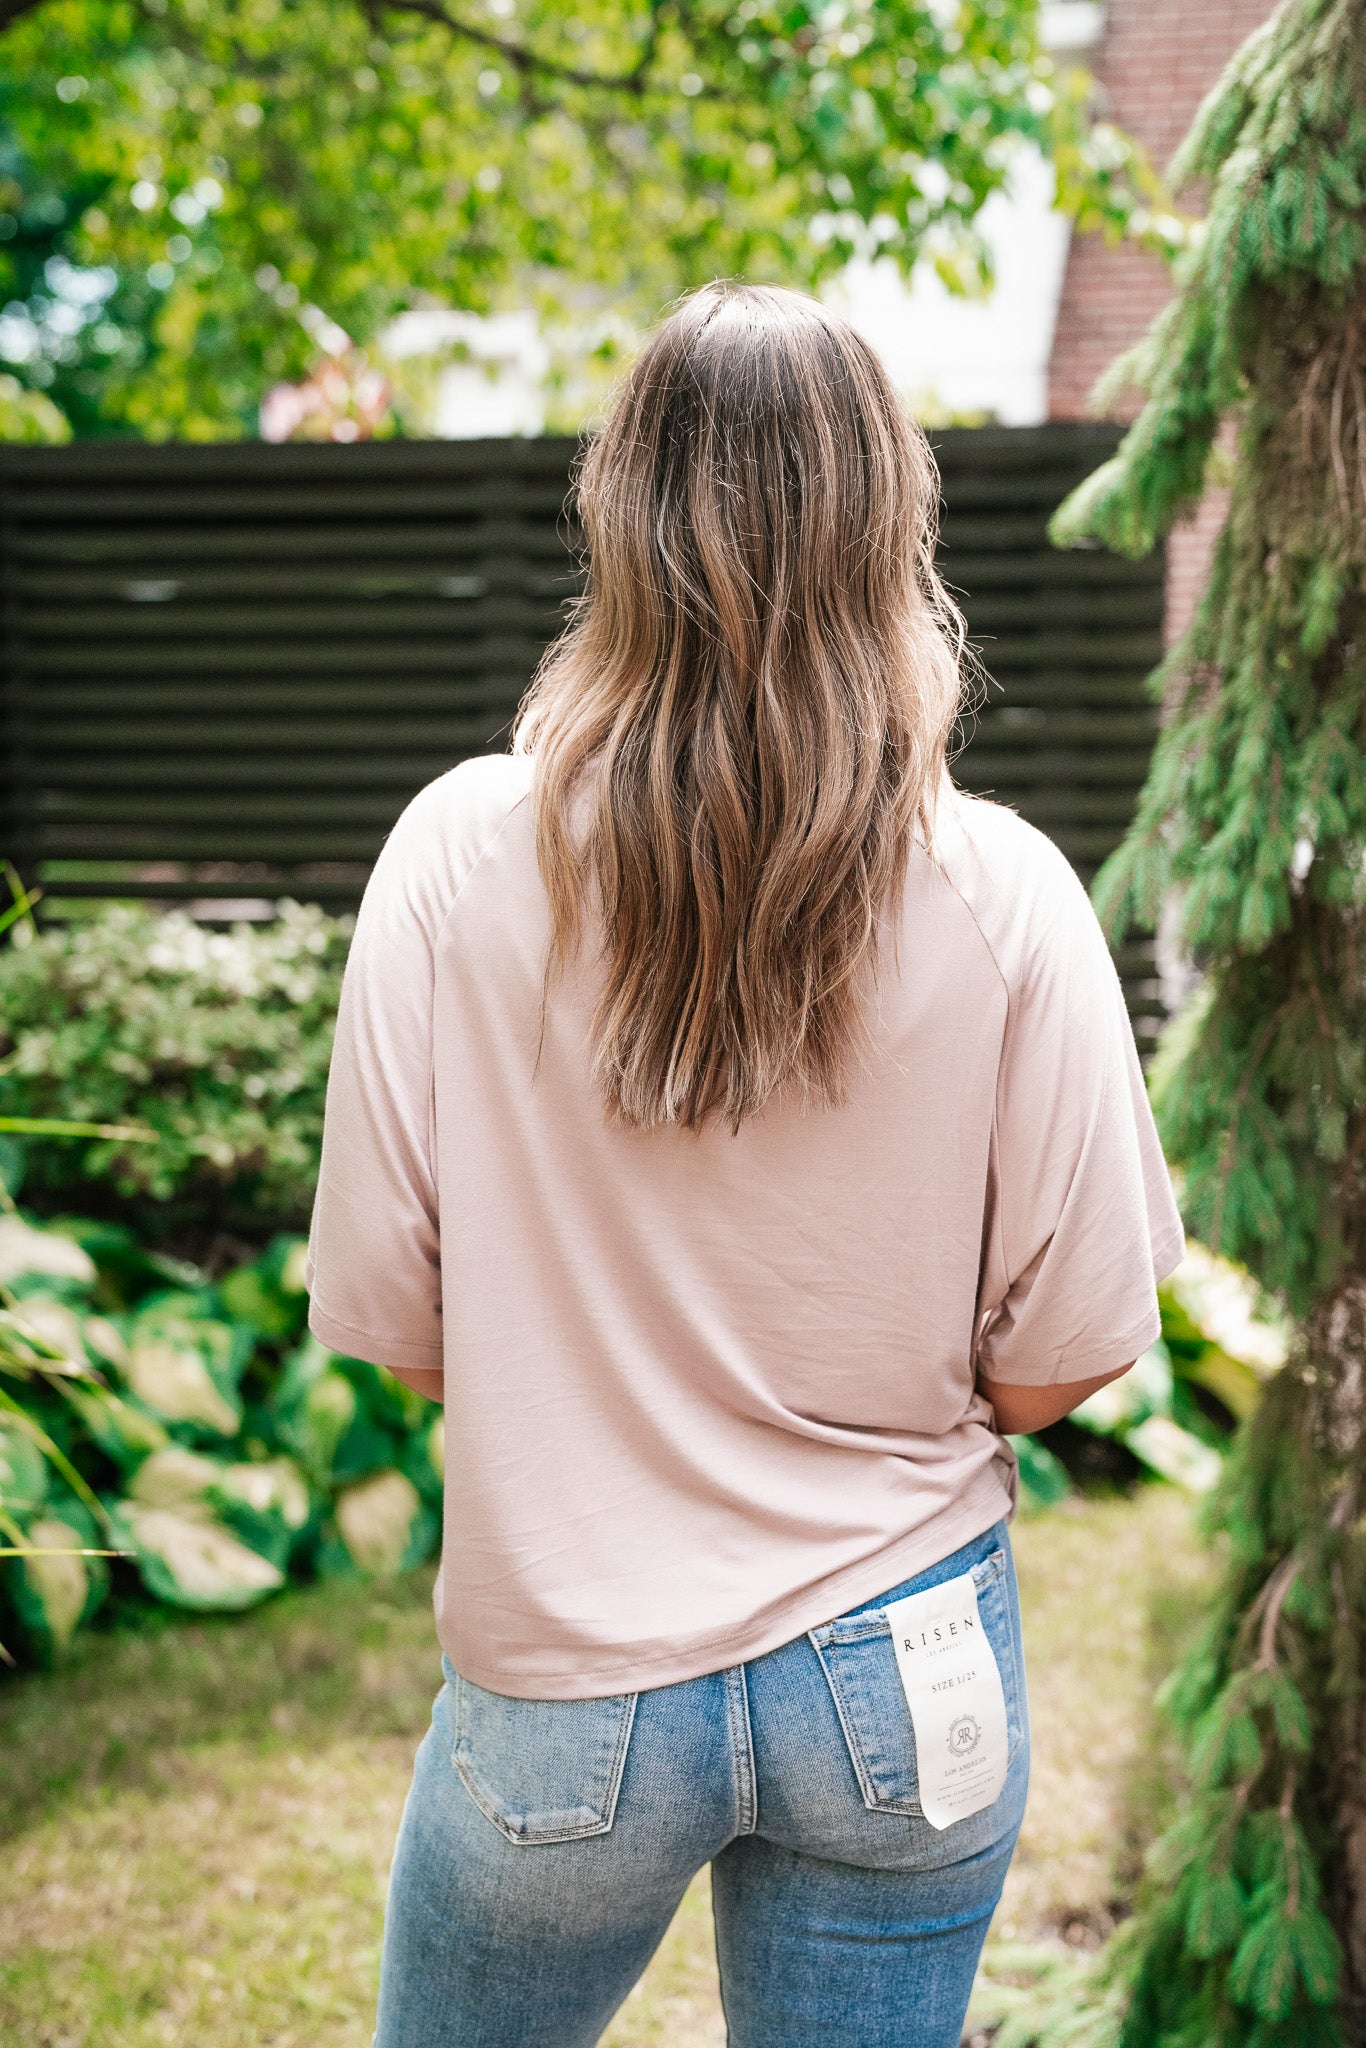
(747, 718)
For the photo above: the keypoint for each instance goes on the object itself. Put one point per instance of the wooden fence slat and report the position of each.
(253, 656)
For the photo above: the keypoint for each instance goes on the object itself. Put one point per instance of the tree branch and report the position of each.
(525, 62)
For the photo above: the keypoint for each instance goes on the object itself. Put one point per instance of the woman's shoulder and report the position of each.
(465, 807)
(445, 831)
(1024, 894)
(1014, 853)
(474, 797)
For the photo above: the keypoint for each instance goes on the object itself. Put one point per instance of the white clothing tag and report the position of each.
(953, 1689)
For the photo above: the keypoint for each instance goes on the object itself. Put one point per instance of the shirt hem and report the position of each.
(389, 1352)
(1120, 1351)
(985, 1505)
(1166, 1261)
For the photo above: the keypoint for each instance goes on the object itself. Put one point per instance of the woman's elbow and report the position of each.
(1019, 1411)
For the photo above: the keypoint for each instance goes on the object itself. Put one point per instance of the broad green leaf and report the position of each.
(174, 1476)
(273, 1487)
(60, 1580)
(23, 1471)
(1043, 1477)
(187, 1558)
(322, 1419)
(54, 1582)
(24, 1250)
(173, 1380)
(248, 1296)
(1146, 1389)
(292, 1267)
(1232, 1380)
(1224, 1304)
(382, 1522)
(122, 1430)
(106, 1340)
(264, 1505)
(59, 1325)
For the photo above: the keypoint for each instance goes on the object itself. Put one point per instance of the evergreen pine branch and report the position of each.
(1250, 1931)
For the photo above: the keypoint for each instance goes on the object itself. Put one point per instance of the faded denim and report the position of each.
(545, 1846)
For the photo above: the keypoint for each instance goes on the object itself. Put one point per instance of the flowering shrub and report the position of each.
(218, 1041)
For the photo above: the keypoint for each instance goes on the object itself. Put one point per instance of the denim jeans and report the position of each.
(546, 1844)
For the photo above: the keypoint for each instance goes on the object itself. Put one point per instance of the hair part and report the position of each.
(747, 718)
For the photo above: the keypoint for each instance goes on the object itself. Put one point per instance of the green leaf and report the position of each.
(26, 1250)
(314, 1407)
(174, 1382)
(60, 1582)
(1175, 1453)
(123, 1431)
(266, 1504)
(1042, 1475)
(381, 1526)
(23, 1471)
(189, 1559)
(183, 1366)
(253, 1295)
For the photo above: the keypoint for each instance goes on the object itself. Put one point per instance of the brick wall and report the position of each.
(1156, 61)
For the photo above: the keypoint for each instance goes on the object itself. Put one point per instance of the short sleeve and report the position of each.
(374, 1269)
(1081, 1222)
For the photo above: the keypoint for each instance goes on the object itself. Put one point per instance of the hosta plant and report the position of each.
(190, 1433)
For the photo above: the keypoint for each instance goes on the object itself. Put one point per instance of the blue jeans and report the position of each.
(546, 1844)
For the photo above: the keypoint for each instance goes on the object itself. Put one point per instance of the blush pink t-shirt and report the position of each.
(704, 1391)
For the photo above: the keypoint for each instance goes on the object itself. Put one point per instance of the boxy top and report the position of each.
(705, 1390)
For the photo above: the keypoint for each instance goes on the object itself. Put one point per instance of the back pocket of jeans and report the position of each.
(542, 1770)
(860, 1668)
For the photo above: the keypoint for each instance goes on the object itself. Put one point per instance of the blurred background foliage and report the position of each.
(217, 1041)
(199, 201)
(191, 1434)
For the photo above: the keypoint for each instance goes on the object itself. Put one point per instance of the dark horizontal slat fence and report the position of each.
(226, 669)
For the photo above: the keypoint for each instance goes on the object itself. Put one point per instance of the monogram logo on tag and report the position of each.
(964, 1735)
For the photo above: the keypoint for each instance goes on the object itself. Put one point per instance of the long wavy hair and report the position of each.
(745, 723)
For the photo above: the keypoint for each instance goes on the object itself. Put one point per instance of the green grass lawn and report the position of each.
(197, 1821)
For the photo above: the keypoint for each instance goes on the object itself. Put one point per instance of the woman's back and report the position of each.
(705, 1388)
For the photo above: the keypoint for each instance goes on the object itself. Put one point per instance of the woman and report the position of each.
(739, 1130)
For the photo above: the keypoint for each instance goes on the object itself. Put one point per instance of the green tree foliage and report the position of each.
(192, 192)
(1255, 816)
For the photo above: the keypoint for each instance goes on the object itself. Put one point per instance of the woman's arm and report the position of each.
(422, 1380)
(1021, 1410)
